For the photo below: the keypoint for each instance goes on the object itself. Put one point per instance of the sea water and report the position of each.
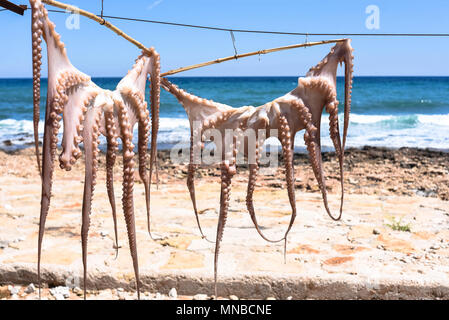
(386, 111)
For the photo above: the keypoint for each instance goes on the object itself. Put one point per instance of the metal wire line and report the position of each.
(266, 31)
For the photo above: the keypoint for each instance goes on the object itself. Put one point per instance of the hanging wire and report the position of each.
(282, 32)
(101, 14)
(233, 44)
(267, 31)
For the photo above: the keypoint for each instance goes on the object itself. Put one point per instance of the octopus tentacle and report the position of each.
(332, 109)
(252, 178)
(155, 86)
(111, 151)
(36, 32)
(349, 68)
(143, 132)
(128, 185)
(227, 172)
(287, 151)
(137, 101)
(312, 141)
(51, 129)
(91, 142)
(191, 169)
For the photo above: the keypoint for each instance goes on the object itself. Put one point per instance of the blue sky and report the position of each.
(99, 52)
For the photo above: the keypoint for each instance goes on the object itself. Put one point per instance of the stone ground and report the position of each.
(392, 242)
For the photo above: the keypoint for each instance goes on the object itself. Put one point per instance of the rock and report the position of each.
(58, 296)
(13, 290)
(200, 296)
(376, 231)
(271, 298)
(77, 291)
(121, 296)
(289, 298)
(158, 296)
(3, 244)
(120, 290)
(173, 293)
(104, 233)
(30, 289)
(233, 297)
(60, 291)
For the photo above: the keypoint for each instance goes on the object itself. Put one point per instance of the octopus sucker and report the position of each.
(299, 109)
(88, 111)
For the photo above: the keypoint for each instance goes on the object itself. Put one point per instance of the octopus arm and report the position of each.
(111, 152)
(155, 92)
(90, 134)
(128, 186)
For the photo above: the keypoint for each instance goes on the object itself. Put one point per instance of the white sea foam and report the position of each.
(376, 130)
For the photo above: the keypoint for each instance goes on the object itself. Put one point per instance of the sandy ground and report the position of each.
(395, 226)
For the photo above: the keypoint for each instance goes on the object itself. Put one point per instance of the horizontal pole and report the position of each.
(248, 54)
(100, 20)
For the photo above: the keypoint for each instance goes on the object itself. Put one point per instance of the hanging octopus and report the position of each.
(88, 111)
(299, 109)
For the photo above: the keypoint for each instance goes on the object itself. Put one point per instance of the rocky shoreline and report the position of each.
(368, 170)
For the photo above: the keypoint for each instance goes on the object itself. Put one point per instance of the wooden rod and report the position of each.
(248, 54)
(100, 20)
(12, 7)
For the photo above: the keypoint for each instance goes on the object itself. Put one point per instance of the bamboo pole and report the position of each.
(119, 32)
(100, 20)
(248, 54)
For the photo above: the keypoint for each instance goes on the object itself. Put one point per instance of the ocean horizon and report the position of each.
(387, 111)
